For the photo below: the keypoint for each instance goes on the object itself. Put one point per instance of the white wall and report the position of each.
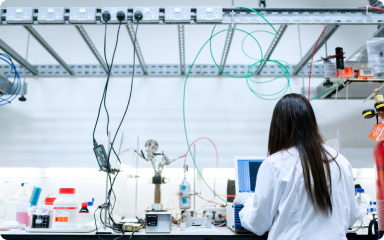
(54, 127)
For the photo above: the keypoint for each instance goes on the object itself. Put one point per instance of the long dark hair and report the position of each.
(294, 125)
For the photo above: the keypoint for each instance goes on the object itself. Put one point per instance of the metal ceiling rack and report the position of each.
(334, 17)
(288, 16)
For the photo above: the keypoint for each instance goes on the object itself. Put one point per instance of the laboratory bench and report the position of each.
(222, 233)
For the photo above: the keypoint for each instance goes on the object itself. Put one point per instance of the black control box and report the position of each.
(151, 220)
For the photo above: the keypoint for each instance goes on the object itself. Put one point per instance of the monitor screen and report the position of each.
(247, 174)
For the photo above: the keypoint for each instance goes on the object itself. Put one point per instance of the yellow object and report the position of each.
(130, 227)
(379, 98)
(380, 105)
(367, 113)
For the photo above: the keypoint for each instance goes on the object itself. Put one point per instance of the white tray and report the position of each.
(60, 230)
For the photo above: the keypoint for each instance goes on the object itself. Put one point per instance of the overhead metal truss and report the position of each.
(169, 70)
(287, 16)
(15, 56)
(91, 46)
(334, 17)
(181, 34)
(275, 41)
(304, 61)
(49, 49)
(131, 33)
(227, 46)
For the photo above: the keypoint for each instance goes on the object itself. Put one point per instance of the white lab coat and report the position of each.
(282, 207)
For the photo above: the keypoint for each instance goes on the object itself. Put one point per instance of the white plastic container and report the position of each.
(23, 192)
(22, 211)
(65, 209)
(2, 210)
(11, 209)
(363, 200)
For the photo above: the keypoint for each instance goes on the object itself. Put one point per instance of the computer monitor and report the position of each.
(246, 173)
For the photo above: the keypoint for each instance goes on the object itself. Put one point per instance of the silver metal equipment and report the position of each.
(151, 147)
(158, 222)
(205, 221)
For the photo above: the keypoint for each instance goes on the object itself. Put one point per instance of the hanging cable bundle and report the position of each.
(10, 92)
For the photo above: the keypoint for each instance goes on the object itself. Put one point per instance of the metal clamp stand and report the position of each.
(105, 205)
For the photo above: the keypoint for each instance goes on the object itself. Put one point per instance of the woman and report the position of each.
(304, 189)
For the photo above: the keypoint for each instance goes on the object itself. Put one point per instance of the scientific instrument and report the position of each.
(151, 147)
(246, 169)
(158, 222)
(365, 73)
(205, 220)
(335, 70)
(218, 214)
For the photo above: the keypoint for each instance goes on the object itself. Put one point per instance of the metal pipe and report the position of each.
(136, 176)
(227, 46)
(301, 56)
(49, 49)
(272, 47)
(181, 34)
(13, 54)
(106, 202)
(131, 33)
(91, 46)
(106, 207)
(325, 45)
(303, 62)
(194, 178)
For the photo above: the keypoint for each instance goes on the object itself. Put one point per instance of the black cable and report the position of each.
(94, 217)
(130, 238)
(133, 75)
(103, 99)
(115, 227)
(109, 74)
(125, 112)
(120, 236)
(105, 45)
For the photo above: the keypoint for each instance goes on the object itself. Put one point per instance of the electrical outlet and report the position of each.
(150, 14)
(19, 15)
(51, 15)
(209, 14)
(82, 15)
(113, 11)
(177, 14)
